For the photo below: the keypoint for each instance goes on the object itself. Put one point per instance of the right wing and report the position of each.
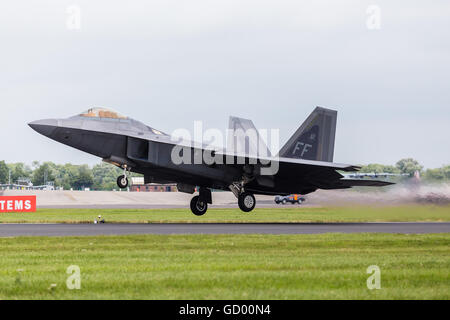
(298, 175)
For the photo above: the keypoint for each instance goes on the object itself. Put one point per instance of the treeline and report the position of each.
(103, 176)
(410, 166)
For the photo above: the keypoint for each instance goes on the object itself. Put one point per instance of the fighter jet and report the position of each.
(303, 165)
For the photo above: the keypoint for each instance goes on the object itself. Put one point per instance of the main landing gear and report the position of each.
(199, 204)
(198, 207)
(246, 201)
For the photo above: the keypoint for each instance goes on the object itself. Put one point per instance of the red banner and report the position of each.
(17, 203)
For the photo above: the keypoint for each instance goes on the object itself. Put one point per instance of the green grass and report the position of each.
(328, 266)
(282, 214)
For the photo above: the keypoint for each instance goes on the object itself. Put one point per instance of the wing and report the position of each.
(374, 175)
(364, 183)
(302, 176)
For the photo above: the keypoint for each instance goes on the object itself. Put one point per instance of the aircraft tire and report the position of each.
(198, 208)
(246, 202)
(122, 181)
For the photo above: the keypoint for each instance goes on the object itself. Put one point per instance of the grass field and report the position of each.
(282, 214)
(329, 266)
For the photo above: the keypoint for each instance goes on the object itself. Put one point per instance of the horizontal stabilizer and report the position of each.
(364, 183)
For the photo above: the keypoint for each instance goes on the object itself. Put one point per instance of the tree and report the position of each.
(105, 176)
(408, 166)
(84, 178)
(4, 172)
(372, 167)
(446, 171)
(438, 174)
(19, 170)
(390, 169)
(43, 174)
(379, 168)
(66, 175)
(35, 164)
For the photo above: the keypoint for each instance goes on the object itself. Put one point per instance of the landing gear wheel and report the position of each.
(122, 181)
(198, 207)
(246, 202)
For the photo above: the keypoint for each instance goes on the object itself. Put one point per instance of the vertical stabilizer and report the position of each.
(314, 140)
(244, 138)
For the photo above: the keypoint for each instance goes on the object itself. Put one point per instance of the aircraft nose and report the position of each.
(44, 127)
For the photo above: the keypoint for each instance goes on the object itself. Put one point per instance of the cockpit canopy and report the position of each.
(102, 113)
(112, 117)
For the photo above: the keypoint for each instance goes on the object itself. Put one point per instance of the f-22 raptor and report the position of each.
(303, 165)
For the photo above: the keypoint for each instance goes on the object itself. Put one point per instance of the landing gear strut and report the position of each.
(246, 200)
(122, 181)
(199, 204)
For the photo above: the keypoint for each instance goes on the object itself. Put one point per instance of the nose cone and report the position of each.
(44, 127)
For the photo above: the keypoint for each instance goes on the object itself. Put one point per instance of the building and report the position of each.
(137, 185)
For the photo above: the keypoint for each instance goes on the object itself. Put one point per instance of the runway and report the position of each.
(261, 204)
(13, 230)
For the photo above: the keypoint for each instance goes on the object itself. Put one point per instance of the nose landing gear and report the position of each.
(122, 181)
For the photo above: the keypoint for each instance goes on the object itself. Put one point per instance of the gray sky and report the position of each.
(168, 63)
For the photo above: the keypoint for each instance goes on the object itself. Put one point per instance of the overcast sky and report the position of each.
(168, 63)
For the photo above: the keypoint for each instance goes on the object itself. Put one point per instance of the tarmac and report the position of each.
(23, 229)
(123, 199)
(162, 200)
(394, 195)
